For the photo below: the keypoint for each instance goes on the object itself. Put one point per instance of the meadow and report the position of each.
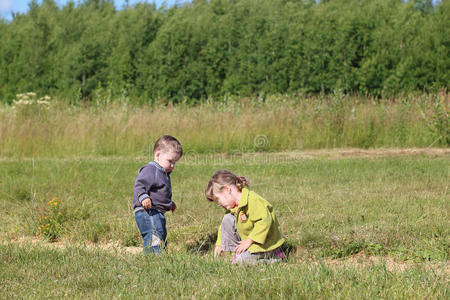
(359, 223)
(45, 127)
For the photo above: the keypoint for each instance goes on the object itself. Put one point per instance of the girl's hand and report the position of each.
(243, 245)
(217, 251)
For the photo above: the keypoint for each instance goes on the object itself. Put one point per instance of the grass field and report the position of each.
(359, 224)
(78, 273)
(37, 128)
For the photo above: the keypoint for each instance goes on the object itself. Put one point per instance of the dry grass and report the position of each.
(279, 123)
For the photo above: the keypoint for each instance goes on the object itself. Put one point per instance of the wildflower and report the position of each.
(43, 102)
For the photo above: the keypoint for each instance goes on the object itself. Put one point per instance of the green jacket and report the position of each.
(255, 219)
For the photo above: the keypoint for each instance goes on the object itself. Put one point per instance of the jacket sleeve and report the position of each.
(219, 239)
(219, 235)
(144, 181)
(262, 221)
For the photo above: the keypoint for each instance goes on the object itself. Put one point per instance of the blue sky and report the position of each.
(8, 6)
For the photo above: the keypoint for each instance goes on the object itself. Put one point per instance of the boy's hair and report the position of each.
(168, 143)
(221, 179)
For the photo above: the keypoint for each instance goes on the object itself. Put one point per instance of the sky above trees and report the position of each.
(21, 6)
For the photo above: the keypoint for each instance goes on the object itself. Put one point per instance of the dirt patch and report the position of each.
(111, 246)
(394, 152)
(391, 263)
(368, 153)
(213, 157)
(359, 260)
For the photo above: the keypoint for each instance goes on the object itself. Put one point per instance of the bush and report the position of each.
(51, 220)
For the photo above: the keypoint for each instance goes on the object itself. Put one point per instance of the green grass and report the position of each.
(333, 207)
(329, 207)
(29, 272)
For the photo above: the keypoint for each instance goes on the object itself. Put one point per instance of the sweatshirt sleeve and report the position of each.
(143, 183)
(262, 222)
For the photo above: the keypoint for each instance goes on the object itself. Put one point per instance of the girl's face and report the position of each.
(227, 198)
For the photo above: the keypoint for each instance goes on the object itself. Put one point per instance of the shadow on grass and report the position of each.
(288, 248)
(202, 245)
(206, 243)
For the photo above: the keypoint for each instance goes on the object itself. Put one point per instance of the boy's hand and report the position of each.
(147, 204)
(243, 245)
(217, 251)
(174, 206)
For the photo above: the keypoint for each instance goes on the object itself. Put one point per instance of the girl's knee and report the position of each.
(228, 221)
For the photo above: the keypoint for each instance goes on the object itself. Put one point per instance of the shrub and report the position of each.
(50, 221)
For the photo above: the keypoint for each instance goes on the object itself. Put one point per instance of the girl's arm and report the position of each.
(262, 221)
(243, 245)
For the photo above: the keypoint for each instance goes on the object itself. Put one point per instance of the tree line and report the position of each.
(214, 48)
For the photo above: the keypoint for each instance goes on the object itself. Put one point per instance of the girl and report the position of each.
(250, 229)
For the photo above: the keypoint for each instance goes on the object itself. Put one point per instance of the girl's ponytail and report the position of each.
(241, 182)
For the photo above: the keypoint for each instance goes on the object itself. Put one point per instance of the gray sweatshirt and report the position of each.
(153, 182)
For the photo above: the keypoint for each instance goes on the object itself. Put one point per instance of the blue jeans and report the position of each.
(152, 225)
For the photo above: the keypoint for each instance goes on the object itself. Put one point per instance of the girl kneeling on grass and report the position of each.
(250, 228)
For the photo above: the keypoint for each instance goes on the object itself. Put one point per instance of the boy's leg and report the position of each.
(152, 225)
(159, 238)
(228, 233)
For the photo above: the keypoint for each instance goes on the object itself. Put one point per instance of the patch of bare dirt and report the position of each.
(111, 246)
(211, 158)
(359, 260)
(363, 260)
(391, 263)
(367, 153)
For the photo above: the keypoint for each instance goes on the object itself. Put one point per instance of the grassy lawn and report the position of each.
(331, 208)
(77, 273)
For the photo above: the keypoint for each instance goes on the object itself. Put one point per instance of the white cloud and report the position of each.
(5, 5)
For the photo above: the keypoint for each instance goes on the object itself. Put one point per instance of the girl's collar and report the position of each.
(244, 198)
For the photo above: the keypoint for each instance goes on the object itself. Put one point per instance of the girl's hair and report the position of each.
(221, 179)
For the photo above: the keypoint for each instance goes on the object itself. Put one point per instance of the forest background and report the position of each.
(211, 49)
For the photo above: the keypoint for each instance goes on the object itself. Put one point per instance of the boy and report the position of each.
(152, 195)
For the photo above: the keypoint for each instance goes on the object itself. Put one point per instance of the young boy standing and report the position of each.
(152, 195)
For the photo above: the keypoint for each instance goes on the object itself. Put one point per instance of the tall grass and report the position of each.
(270, 123)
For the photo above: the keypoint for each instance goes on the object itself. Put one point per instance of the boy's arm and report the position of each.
(147, 203)
(144, 181)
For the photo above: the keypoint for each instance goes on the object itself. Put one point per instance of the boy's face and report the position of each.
(167, 160)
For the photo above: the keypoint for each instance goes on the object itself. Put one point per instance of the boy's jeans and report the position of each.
(152, 225)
